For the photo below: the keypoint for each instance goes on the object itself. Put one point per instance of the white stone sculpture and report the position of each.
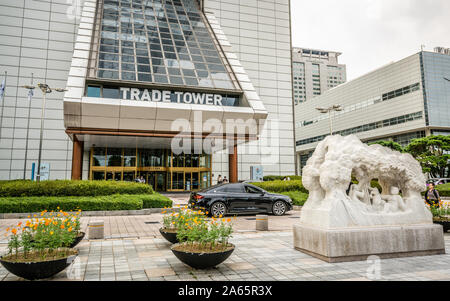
(328, 173)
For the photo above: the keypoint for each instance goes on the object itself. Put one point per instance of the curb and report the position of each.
(297, 208)
(147, 211)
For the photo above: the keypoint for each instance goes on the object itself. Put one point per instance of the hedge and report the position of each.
(444, 190)
(278, 178)
(69, 203)
(298, 198)
(282, 186)
(21, 188)
(156, 200)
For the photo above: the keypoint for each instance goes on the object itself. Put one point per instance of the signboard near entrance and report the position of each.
(256, 173)
(45, 172)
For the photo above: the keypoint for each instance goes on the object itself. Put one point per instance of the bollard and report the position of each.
(96, 229)
(262, 223)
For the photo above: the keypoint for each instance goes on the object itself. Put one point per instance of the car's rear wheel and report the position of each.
(218, 209)
(279, 208)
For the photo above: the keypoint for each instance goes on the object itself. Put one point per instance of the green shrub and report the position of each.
(282, 186)
(70, 188)
(276, 178)
(156, 200)
(68, 203)
(298, 198)
(444, 190)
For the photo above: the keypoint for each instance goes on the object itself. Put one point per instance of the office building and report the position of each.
(401, 101)
(175, 91)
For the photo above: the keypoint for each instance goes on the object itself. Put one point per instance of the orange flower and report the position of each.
(14, 231)
(70, 229)
(62, 227)
(7, 229)
(220, 216)
(229, 220)
(19, 224)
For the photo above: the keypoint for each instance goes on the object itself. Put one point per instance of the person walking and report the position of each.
(225, 180)
(219, 179)
(432, 197)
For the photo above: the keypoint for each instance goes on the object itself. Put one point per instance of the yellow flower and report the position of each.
(220, 216)
(51, 232)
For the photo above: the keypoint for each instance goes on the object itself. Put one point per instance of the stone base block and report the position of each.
(356, 244)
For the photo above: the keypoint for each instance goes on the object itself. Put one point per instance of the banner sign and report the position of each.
(171, 96)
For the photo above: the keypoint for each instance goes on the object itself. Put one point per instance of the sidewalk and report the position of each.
(258, 256)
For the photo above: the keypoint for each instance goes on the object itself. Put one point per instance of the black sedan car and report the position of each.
(239, 198)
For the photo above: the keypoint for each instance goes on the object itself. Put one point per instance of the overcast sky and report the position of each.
(370, 33)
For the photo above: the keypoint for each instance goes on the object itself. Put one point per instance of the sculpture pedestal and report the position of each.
(355, 244)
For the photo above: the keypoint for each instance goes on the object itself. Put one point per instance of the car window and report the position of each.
(233, 188)
(250, 189)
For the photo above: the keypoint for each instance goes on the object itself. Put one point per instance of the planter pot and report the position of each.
(169, 236)
(77, 240)
(37, 270)
(445, 224)
(201, 260)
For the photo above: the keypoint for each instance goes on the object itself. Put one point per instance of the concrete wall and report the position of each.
(36, 36)
(259, 32)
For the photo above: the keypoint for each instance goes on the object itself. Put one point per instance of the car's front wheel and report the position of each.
(279, 208)
(218, 209)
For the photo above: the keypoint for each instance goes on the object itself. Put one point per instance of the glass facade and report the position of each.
(436, 75)
(161, 168)
(162, 42)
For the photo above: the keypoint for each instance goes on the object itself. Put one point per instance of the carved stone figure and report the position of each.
(328, 174)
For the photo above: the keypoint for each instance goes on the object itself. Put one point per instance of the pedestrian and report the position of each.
(142, 180)
(432, 197)
(225, 180)
(219, 179)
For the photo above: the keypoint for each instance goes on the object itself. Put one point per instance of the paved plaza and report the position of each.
(133, 249)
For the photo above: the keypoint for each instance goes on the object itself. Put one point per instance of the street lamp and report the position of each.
(45, 90)
(334, 108)
(30, 89)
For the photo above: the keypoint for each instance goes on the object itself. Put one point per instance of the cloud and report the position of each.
(371, 33)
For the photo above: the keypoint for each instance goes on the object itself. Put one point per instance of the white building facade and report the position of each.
(402, 101)
(134, 68)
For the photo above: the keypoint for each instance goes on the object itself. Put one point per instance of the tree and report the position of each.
(391, 144)
(433, 153)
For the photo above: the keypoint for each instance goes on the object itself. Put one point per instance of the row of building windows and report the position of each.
(403, 139)
(363, 104)
(401, 91)
(367, 127)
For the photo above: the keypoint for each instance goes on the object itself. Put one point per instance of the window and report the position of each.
(110, 92)
(252, 189)
(234, 188)
(93, 91)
